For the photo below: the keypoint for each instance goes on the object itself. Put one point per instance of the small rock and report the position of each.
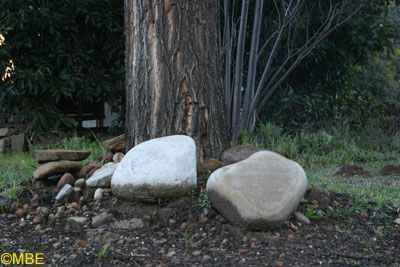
(98, 194)
(108, 157)
(89, 169)
(117, 158)
(37, 219)
(78, 220)
(116, 144)
(34, 202)
(60, 154)
(81, 183)
(74, 206)
(43, 211)
(397, 221)
(135, 223)
(78, 190)
(67, 178)
(196, 253)
(76, 223)
(206, 258)
(101, 219)
(21, 212)
(60, 212)
(171, 253)
(51, 219)
(102, 177)
(238, 153)
(65, 192)
(301, 218)
(57, 167)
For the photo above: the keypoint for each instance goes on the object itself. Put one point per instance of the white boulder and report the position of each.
(160, 168)
(264, 189)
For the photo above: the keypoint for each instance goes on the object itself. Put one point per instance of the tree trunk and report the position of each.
(173, 78)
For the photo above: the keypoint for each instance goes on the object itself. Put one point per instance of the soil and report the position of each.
(181, 233)
(390, 170)
(352, 170)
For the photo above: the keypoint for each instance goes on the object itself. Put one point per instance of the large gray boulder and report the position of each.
(264, 189)
(161, 168)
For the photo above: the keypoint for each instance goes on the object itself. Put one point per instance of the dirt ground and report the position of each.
(181, 233)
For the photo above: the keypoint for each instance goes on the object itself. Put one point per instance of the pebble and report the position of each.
(118, 157)
(80, 183)
(301, 217)
(171, 253)
(397, 221)
(67, 178)
(206, 258)
(64, 193)
(77, 220)
(37, 220)
(196, 253)
(74, 206)
(134, 223)
(20, 213)
(101, 219)
(98, 194)
(43, 211)
(51, 219)
(60, 212)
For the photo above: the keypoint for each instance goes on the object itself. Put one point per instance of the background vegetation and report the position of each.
(73, 50)
(62, 51)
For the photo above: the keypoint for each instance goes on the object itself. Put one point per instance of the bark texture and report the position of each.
(173, 79)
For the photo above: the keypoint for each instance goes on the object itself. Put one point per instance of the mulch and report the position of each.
(181, 233)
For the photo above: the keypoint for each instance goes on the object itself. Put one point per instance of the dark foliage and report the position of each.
(345, 78)
(63, 51)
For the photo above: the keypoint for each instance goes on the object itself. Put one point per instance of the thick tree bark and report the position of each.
(173, 78)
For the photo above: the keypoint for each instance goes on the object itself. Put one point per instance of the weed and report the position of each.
(203, 200)
(103, 252)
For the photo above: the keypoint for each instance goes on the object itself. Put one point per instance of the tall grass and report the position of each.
(14, 169)
(327, 148)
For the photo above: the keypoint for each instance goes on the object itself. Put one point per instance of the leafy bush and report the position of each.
(349, 75)
(61, 50)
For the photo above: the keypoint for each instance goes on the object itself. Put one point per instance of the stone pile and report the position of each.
(74, 179)
(250, 187)
(11, 141)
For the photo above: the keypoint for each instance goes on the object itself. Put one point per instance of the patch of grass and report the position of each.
(321, 153)
(14, 169)
(81, 143)
(381, 190)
